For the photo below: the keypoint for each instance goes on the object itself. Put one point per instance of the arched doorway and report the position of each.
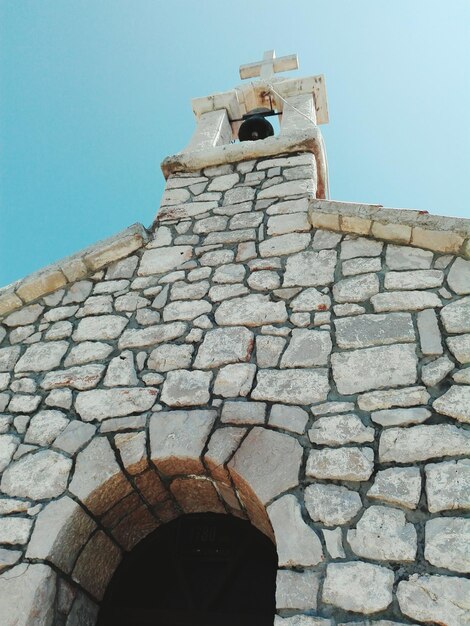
(198, 570)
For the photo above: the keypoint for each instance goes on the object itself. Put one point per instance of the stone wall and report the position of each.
(243, 361)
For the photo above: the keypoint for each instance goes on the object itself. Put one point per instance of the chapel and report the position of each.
(254, 411)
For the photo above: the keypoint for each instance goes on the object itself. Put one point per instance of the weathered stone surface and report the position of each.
(429, 334)
(229, 273)
(310, 300)
(284, 244)
(132, 450)
(297, 590)
(20, 479)
(362, 331)
(264, 281)
(8, 358)
(361, 266)
(84, 611)
(96, 564)
(354, 464)
(310, 269)
(45, 426)
(23, 317)
(327, 408)
(27, 593)
(382, 534)
(224, 345)
(59, 330)
(374, 368)
(268, 350)
(437, 599)
(460, 347)
(8, 558)
(186, 388)
(61, 530)
(293, 386)
(358, 587)
(210, 224)
(291, 223)
(405, 301)
(14, 530)
(23, 404)
(301, 620)
(223, 292)
(456, 316)
(8, 445)
(462, 376)
(407, 258)
(185, 310)
(455, 403)
(100, 327)
(74, 436)
(84, 377)
(252, 310)
(177, 439)
(447, 543)
(141, 338)
(42, 357)
(418, 443)
(434, 372)
(86, 352)
(418, 279)
(268, 461)
(296, 543)
(458, 278)
(100, 404)
(356, 289)
(160, 260)
(353, 247)
(307, 348)
(243, 413)
(235, 380)
(336, 430)
(400, 417)
(167, 357)
(60, 313)
(397, 485)
(332, 505)
(409, 396)
(121, 371)
(334, 543)
(448, 485)
(291, 418)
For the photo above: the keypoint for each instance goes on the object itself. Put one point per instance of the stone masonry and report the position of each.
(259, 353)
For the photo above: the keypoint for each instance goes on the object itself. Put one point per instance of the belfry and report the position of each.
(255, 411)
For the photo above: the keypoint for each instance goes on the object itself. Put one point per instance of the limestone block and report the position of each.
(95, 305)
(252, 310)
(448, 543)
(418, 443)
(121, 371)
(122, 269)
(290, 223)
(296, 543)
(365, 265)
(438, 240)
(8, 558)
(397, 485)
(310, 300)
(327, 408)
(4, 381)
(374, 330)
(20, 479)
(415, 279)
(334, 543)
(223, 292)
(235, 380)
(130, 302)
(196, 495)
(348, 309)
(332, 505)
(217, 257)
(74, 436)
(8, 357)
(264, 280)
(83, 377)
(143, 337)
(310, 269)
(291, 418)
(175, 196)
(429, 334)
(462, 376)
(62, 529)
(243, 412)
(27, 593)
(448, 485)
(358, 587)
(325, 239)
(60, 313)
(42, 357)
(293, 386)
(224, 345)
(456, 316)
(400, 417)
(23, 317)
(336, 430)
(440, 599)
(168, 357)
(354, 464)
(87, 351)
(59, 330)
(23, 404)
(374, 368)
(229, 273)
(78, 292)
(460, 347)
(185, 310)
(132, 450)
(356, 289)
(407, 258)
(307, 348)
(238, 195)
(268, 462)
(405, 301)
(455, 403)
(434, 372)
(177, 439)
(408, 396)
(100, 404)
(268, 350)
(14, 530)
(297, 590)
(382, 534)
(458, 278)
(8, 446)
(186, 388)
(96, 564)
(210, 224)
(230, 237)
(41, 283)
(45, 426)
(100, 327)
(221, 446)
(353, 247)
(290, 188)
(399, 233)
(9, 301)
(164, 259)
(284, 244)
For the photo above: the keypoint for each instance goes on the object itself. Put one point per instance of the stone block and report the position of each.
(397, 486)
(167, 357)
(20, 479)
(337, 430)
(446, 544)
(27, 593)
(235, 380)
(284, 244)
(310, 269)
(400, 417)
(143, 337)
(407, 258)
(455, 403)
(456, 316)
(41, 283)
(448, 485)
(351, 463)
(405, 301)
(415, 279)
(186, 388)
(100, 404)
(96, 564)
(429, 334)
(331, 505)
(251, 310)
(405, 397)
(460, 347)
(458, 278)
(291, 418)
(297, 590)
(418, 443)
(42, 357)
(367, 330)
(293, 386)
(437, 240)
(243, 412)
(165, 259)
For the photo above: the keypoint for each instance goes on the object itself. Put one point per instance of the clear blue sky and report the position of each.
(95, 93)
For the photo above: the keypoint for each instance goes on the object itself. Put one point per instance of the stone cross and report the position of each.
(266, 68)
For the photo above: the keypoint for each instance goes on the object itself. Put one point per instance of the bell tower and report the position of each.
(234, 126)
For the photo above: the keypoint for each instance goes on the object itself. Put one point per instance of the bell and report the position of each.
(255, 127)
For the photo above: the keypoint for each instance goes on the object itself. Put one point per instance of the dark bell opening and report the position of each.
(199, 570)
(254, 128)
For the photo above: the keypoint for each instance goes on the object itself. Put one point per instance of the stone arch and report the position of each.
(123, 486)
